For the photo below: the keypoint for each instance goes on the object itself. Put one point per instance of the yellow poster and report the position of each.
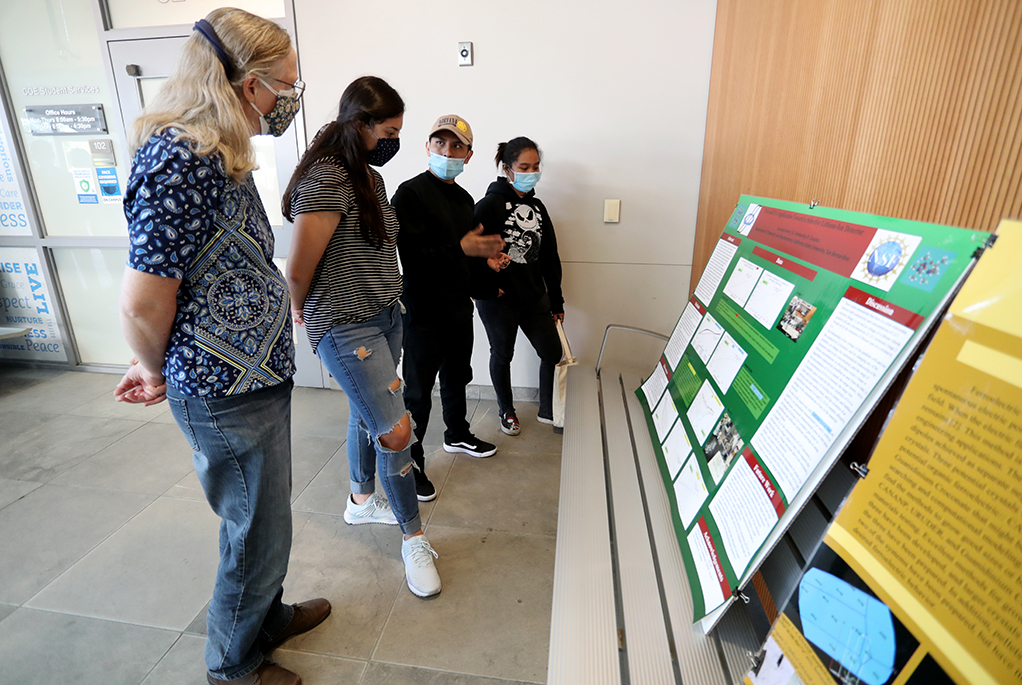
(940, 514)
(920, 577)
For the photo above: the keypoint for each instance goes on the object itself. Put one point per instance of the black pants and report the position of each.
(502, 318)
(438, 343)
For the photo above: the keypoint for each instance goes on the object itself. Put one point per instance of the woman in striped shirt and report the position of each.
(344, 281)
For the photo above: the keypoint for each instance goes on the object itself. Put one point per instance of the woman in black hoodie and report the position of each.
(522, 287)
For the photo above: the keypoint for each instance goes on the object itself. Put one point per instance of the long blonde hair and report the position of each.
(200, 101)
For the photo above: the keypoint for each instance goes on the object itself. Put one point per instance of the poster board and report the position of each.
(798, 323)
(919, 579)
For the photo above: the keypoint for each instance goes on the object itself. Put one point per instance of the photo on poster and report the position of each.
(775, 668)
(885, 258)
(855, 636)
(736, 216)
(723, 446)
(796, 317)
(924, 273)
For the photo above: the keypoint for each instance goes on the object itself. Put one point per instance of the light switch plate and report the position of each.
(611, 211)
(465, 54)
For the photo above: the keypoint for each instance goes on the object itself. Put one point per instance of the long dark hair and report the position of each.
(367, 100)
(507, 153)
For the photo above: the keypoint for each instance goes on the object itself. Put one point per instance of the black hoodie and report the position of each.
(525, 224)
(434, 216)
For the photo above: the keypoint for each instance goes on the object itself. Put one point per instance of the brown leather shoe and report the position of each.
(307, 616)
(268, 673)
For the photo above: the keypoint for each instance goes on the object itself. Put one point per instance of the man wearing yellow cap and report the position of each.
(436, 242)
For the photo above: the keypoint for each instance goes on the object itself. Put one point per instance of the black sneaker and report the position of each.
(509, 423)
(424, 489)
(471, 445)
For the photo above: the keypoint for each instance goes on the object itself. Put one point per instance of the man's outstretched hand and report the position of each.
(475, 244)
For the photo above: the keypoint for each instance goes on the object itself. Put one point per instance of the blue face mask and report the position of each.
(446, 167)
(524, 182)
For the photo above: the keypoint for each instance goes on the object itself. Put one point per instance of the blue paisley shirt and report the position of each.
(188, 219)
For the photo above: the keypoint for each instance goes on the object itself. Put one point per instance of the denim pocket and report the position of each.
(179, 408)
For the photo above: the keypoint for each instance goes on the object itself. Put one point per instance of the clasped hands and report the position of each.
(139, 386)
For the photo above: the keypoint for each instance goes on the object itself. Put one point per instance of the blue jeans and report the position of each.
(363, 358)
(242, 455)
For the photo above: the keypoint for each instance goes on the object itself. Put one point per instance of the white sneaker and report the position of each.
(420, 572)
(376, 509)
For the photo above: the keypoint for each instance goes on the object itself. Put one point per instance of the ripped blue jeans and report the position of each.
(363, 358)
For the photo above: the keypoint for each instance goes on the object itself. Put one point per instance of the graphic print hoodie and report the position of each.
(525, 224)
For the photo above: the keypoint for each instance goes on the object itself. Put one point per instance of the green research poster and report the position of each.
(797, 317)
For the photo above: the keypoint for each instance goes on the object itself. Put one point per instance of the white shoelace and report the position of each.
(420, 551)
(378, 505)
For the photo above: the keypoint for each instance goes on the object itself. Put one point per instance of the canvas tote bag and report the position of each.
(561, 377)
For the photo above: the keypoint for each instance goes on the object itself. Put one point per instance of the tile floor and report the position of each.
(108, 549)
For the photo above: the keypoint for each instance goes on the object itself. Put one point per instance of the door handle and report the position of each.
(133, 70)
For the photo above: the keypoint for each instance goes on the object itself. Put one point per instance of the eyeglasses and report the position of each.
(294, 90)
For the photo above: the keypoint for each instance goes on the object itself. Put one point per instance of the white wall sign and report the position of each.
(25, 302)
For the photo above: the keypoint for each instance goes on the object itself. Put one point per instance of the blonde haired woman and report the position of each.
(206, 313)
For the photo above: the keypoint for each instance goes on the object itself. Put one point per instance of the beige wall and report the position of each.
(902, 108)
(615, 94)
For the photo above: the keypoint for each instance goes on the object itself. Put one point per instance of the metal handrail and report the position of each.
(619, 327)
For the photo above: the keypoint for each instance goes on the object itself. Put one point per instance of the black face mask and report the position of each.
(384, 151)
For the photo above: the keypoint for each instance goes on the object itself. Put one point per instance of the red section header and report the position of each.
(888, 309)
(666, 367)
(699, 307)
(784, 263)
(734, 240)
(832, 245)
(768, 486)
(711, 548)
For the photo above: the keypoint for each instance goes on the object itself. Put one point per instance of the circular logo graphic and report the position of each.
(885, 258)
(238, 300)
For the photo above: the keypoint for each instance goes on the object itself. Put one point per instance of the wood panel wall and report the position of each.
(904, 108)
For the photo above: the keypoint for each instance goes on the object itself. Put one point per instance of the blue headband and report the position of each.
(206, 29)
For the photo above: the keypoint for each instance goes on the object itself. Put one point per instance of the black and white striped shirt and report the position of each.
(354, 281)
